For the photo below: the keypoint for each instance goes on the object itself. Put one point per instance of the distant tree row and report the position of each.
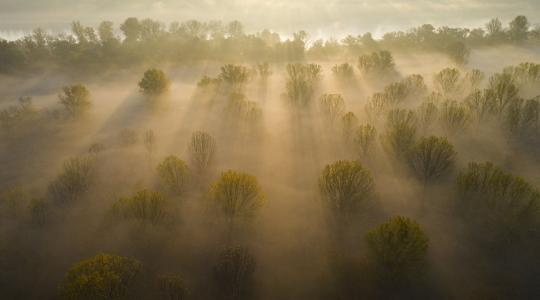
(149, 40)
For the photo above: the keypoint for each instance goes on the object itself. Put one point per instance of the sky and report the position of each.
(318, 17)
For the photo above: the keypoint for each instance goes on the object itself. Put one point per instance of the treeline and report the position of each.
(151, 41)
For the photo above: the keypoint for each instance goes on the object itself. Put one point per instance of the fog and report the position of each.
(301, 218)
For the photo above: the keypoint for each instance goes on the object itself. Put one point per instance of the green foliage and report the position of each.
(453, 116)
(237, 196)
(447, 81)
(301, 83)
(332, 107)
(154, 83)
(343, 72)
(401, 117)
(474, 78)
(427, 113)
(504, 205)
(75, 99)
(13, 201)
(234, 76)
(377, 64)
(398, 251)
(234, 273)
(172, 288)
(398, 140)
(73, 182)
(103, 276)
(349, 121)
(16, 115)
(364, 139)
(174, 174)
(345, 186)
(432, 157)
(479, 105)
(519, 29)
(145, 207)
(502, 91)
(202, 151)
(525, 75)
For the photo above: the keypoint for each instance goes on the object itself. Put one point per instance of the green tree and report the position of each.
(73, 182)
(154, 83)
(432, 157)
(237, 196)
(332, 107)
(377, 64)
(344, 73)
(75, 99)
(145, 207)
(234, 274)
(174, 174)
(505, 207)
(301, 83)
(427, 114)
(364, 139)
(172, 288)
(519, 29)
(398, 140)
(447, 81)
(103, 276)
(398, 251)
(131, 29)
(202, 152)
(349, 121)
(454, 117)
(502, 91)
(234, 76)
(344, 187)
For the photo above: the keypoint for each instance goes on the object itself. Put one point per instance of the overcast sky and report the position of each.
(319, 17)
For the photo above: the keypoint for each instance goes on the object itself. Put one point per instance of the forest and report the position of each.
(200, 160)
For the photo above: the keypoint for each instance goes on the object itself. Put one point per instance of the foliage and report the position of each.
(75, 99)
(398, 250)
(345, 186)
(454, 116)
(103, 276)
(73, 182)
(154, 83)
(502, 91)
(234, 273)
(364, 139)
(479, 105)
(17, 115)
(349, 121)
(301, 83)
(332, 106)
(401, 117)
(234, 76)
(174, 174)
(431, 157)
(503, 204)
(145, 206)
(237, 196)
(447, 81)
(172, 288)
(427, 114)
(202, 151)
(398, 140)
(377, 64)
(343, 72)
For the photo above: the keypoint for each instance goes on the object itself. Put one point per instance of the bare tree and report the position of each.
(202, 152)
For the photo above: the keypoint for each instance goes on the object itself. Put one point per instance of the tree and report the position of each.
(398, 140)
(234, 76)
(401, 117)
(145, 207)
(131, 29)
(172, 288)
(447, 81)
(377, 64)
(427, 114)
(234, 273)
(332, 107)
(73, 182)
(344, 73)
(301, 83)
(502, 91)
(474, 78)
(503, 206)
(398, 251)
(154, 83)
(237, 196)
(364, 139)
(495, 30)
(103, 276)
(453, 116)
(431, 157)
(479, 104)
(106, 32)
(344, 187)
(519, 29)
(349, 121)
(174, 174)
(202, 152)
(75, 99)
